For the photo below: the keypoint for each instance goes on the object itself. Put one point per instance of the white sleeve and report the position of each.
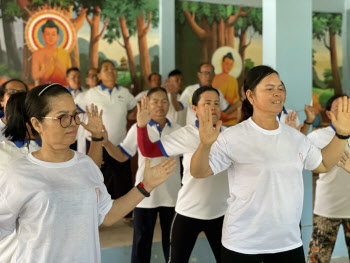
(313, 157)
(140, 95)
(7, 218)
(224, 105)
(219, 159)
(174, 143)
(83, 101)
(186, 98)
(130, 101)
(129, 144)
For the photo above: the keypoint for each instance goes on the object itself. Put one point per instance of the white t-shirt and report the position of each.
(9, 152)
(2, 127)
(166, 193)
(174, 116)
(332, 197)
(198, 198)
(266, 185)
(57, 207)
(115, 103)
(186, 101)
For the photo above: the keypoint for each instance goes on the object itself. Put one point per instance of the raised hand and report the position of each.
(95, 124)
(291, 119)
(143, 113)
(310, 113)
(152, 177)
(341, 121)
(207, 132)
(345, 162)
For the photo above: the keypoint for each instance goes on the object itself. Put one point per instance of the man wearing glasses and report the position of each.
(205, 75)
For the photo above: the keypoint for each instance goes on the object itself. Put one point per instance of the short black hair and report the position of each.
(197, 94)
(71, 69)
(332, 99)
(152, 74)
(228, 55)
(50, 24)
(103, 62)
(3, 88)
(156, 89)
(87, 72)
(174, 72)
(205, 63)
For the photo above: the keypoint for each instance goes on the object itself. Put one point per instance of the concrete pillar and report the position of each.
(167, 37)
(346, 47)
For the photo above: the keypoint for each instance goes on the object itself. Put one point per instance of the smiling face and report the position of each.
(268, 96)
(158, 105)
(50, 130)
(210, 98)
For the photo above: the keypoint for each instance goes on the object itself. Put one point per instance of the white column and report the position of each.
(346, 47)
(167, 37)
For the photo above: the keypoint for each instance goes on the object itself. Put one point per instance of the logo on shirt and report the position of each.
(96, 190)
(121, 98)
(301, 157)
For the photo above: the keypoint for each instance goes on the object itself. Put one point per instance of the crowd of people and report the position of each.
(65, 168)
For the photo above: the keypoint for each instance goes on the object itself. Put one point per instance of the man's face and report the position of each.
(155, 81)
(176, 81)
(50, 36)
(206, 75)
(74, 79)
(91, 78)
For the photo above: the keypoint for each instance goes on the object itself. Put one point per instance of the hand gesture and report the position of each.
(345, 162)
(291, 120)
(143, 113)
(170, 87)
(310, 113)
(152, 177)
(95, 124)
(207, 132)
(341, 121)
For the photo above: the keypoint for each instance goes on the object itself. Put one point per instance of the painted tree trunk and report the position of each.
(241, 51)
(12, 53)
(334, 64)
(26, 75)
(229, 36)
(129, 53)
(93, 45)
(143, 50)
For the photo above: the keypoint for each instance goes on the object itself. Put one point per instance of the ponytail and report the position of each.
(16, 117)
(247, 110)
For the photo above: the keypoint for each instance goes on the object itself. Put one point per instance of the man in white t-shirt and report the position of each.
(118, 105)
(205, 75)
(163, 199)
(332, 198)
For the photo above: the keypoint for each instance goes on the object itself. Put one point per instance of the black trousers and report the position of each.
(144, 222)
(290, 256)
(184, 233)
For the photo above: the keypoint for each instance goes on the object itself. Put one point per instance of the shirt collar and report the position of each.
(20, 144)
(152, 122)
(73, 90)
(103, 87)
(280, 114)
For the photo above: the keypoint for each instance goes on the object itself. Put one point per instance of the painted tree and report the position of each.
(252, 21)
(329, 26)
(212, 24)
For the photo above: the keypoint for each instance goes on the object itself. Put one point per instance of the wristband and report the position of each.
(342, 137)
(97, 139)
(143, 191)
(309, 123)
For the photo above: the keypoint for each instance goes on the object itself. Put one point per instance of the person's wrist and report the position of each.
(96, 135)
(308, 122)
(147, 186)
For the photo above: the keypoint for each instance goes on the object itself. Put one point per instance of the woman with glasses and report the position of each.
(55, 197)
(8, 88)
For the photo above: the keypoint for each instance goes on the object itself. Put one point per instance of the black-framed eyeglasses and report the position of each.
(206, 73)
(66, 119)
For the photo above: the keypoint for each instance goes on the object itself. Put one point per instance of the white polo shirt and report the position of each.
(332, 197)
(266, 185)
(9, 152)
(198, 198)
(166, 193)
(115, 103)
(2, 127)
(56, 207)
(186, 102)
(174, 116)
(74, 92)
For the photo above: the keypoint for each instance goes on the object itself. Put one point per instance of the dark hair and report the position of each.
(175, 72)
(332, 99)
(87, 72)
(3, 88)
(103, 62)
(197, 94)
(156, 89)
(50, 24)
(152, 74)
(71, 69)
(16, 129)
(37, 104)
(253, 78)
(205, 63)
(228, 55)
